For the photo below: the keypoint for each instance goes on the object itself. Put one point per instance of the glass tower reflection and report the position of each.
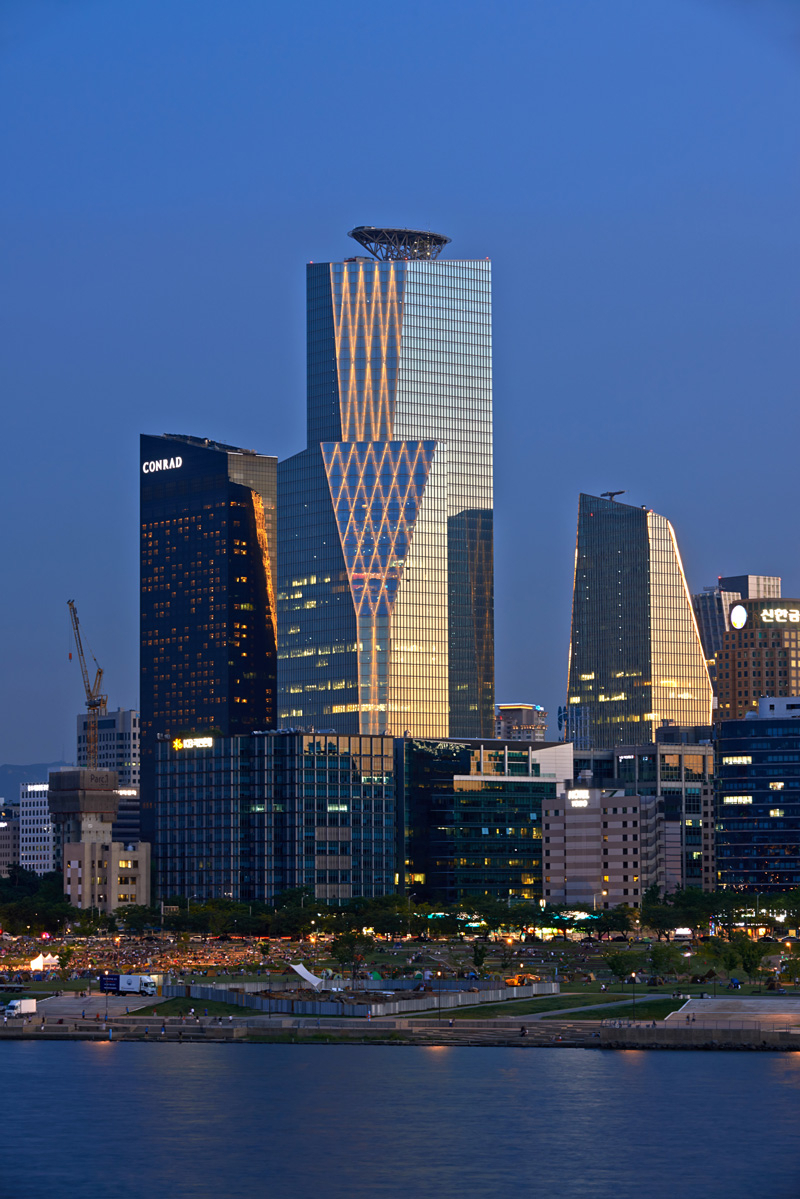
(636, 659)
(385, 594)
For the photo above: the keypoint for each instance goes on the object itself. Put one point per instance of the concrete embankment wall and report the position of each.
(699, 1038)
(446, 1001)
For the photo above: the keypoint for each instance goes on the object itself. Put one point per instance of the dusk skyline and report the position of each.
(631, 174)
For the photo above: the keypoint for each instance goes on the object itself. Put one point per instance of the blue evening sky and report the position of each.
(632, 168)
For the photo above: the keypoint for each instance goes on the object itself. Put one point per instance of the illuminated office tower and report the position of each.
(385, 593)
(207, 609)
(636, 659)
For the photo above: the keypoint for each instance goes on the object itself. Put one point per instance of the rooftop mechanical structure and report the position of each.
(399, 244)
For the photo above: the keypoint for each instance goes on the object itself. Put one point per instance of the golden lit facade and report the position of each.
(385, 593)
(636, 659)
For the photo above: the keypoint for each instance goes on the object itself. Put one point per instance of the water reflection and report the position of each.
(385, 1122)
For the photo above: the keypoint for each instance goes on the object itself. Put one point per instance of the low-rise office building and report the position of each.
(602, 847)
(681, 774)
(248, 817)
(9, 837)
(758, 798)
(520, 722)
(117, 749)
(107, 875)
(471, 816)
(39, 839)
(99, 872)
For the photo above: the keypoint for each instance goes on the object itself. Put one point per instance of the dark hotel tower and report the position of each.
(207, 613)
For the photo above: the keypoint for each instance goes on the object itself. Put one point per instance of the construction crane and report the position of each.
(610, 495)
(95, 701)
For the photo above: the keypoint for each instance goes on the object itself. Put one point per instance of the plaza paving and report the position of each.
(735, 1011)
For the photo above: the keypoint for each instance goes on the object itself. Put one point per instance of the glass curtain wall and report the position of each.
(386, 578)
(635, 654)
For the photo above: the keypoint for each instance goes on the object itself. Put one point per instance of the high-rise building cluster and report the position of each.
(317, 701)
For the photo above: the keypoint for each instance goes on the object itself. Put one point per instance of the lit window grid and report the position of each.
(443, 381)
(633, 630)
(758, 846)
(252, 816)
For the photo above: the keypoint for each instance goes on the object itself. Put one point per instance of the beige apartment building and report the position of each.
(107, 875)
(99, 872)
(601, 847)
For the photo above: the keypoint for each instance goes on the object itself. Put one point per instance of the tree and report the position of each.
(664, 958)
(657, 915)
(751, 953)
(791, 965)
(557, 916)
(350, 950)
(694, 908)
(726, 954)
(623, 964)
(615, 920)
(138, 917)
(65, 956)
(479, 953)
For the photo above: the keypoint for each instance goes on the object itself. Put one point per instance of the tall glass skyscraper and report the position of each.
(635, 654)
(207, 608)
(385, 593)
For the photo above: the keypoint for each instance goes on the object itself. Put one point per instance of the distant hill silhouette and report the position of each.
(12, 776)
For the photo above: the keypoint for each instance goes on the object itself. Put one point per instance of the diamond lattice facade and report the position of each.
(385, 593)
(636, 659)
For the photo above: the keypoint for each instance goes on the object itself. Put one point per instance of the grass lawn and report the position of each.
(576, 996)
(647, 1009)
(526, 1007)
(182, 1007)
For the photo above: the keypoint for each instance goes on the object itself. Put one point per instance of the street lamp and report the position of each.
(440, 995)
(633, 984)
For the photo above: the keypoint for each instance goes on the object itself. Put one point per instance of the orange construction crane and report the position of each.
(95, 702)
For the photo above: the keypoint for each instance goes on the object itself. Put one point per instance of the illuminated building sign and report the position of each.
(738, 616)
(193, 743)
(150, 468)
(578, 799)
(779, 615)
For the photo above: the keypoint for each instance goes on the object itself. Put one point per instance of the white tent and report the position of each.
(44, 961)
(316, 983)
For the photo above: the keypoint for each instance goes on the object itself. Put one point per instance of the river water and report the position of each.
(146, 1121)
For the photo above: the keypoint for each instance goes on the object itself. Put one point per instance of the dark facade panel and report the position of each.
(758, 805)
(468, 828)
(208, 632)
(248, 817)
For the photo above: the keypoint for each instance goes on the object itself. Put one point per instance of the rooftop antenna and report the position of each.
(610, 494)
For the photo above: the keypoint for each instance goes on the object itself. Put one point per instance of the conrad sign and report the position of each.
(150, 468)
